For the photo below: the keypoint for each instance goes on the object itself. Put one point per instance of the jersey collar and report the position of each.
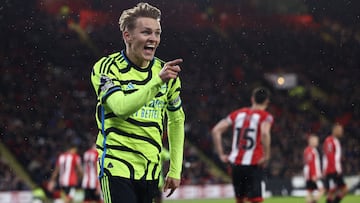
(134, 65)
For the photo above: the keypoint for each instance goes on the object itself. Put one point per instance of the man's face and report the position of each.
(314, 141)
(338, 131)
(143, 40)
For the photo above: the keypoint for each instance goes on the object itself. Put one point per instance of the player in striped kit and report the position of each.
(312, 170)
(334, 181)
(69, 169)
(90, 182)
(250, 146)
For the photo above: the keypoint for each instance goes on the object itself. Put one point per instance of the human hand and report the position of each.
(263, 162)
(224, 158)
(170, 70)
(172, 184)
(51, 186)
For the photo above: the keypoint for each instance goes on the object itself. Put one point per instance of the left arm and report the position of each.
(266, 140)
(52, 182)
(176, 135)
(176, 146)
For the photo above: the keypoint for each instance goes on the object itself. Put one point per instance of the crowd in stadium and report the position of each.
(47, 101)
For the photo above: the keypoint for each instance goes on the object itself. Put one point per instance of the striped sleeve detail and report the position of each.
(172, 108)
(109, 92)
(105, 65)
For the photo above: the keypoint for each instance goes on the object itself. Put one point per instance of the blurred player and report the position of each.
(68, 168)
(90, 181)
(312, 170)
(250, 146)
(334, 181)
(136, 92)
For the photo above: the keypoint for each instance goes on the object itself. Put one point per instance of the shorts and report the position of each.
(314, 185)
(334, 181)
(124, 190)
(248, 182)
(91, 195)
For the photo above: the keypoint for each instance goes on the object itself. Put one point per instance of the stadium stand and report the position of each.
(46, 98)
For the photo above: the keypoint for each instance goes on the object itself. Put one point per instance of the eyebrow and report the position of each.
(148, 28)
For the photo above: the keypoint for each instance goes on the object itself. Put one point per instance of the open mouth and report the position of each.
(149, 47)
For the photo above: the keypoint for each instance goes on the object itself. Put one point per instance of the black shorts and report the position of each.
(69, 191)
(334, 181)
(248, 182)
(123, 190)
(314, 185)
(91, 195)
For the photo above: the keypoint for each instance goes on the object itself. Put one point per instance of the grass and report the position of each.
(347, 199)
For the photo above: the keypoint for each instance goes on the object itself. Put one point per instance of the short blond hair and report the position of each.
(129, 16)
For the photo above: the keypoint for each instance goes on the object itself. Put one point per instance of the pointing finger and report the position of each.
(174, 62)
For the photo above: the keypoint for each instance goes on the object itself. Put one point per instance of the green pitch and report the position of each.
(347, 199)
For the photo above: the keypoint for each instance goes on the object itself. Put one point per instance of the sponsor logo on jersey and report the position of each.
(130, 86)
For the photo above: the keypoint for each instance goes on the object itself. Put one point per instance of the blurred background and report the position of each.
(306, 51)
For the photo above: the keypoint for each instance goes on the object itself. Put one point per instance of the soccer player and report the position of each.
(90, 182)
(68, 168)
(250, 146)
(334, 181)
(312, 170)
(136, 92)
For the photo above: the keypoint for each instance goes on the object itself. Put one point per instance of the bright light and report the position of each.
(281, 80)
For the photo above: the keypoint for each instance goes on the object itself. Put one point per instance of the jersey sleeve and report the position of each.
(173, 96)
(231, 117)
(106, 83)
(269, 118)
(176, 118)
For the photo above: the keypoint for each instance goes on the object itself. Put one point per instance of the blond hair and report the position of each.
(128, 17)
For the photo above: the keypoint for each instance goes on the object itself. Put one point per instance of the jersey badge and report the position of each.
(106, 83)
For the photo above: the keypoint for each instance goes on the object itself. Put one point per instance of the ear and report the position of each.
(127, 36)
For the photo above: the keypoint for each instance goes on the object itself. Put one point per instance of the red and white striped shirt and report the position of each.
(90, 178)
(247, 147)
(332, 155)
(312, 168)
(67, 162)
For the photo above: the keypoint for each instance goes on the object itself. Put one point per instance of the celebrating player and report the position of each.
(135, 90)
(250, 146)
(312, 170)
(334, 181)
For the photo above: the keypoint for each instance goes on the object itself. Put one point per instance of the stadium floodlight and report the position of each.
(282, 80)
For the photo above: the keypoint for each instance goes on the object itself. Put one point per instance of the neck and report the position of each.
(135, 60)
(258, 107)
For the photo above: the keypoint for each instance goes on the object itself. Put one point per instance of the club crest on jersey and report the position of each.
(106, 83)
